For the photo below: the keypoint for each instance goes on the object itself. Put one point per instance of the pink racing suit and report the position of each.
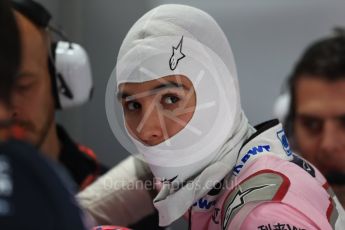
(269, 188)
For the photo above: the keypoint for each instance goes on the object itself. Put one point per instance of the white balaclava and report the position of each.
(182, 40)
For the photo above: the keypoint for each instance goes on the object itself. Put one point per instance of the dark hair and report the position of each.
(9, 50)
(325, 60)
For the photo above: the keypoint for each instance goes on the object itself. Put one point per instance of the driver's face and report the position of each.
(156, 110)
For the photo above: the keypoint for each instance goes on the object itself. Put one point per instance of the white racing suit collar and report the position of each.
(269, 139)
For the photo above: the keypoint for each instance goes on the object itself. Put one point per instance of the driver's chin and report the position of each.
(150, 142)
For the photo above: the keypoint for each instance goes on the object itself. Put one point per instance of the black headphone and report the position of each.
(69, 65)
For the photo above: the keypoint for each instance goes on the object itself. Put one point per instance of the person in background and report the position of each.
(315, 122)
(28, 180)
(38, 94)
(40, 90)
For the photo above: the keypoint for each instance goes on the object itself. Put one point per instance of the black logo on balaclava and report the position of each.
(176, 56)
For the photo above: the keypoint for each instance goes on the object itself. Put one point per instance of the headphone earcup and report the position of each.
(68, 63)
(282, 109)
(72, 75)
(281, 106)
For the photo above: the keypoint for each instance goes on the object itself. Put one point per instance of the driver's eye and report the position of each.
(170, 99)
(133, 105)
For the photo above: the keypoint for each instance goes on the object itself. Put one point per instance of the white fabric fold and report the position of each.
(173, 204)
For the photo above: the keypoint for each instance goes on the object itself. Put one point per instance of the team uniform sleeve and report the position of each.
(122, 196)
(277, 216)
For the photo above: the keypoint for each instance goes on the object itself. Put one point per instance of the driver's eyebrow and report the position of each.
(170, 84)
